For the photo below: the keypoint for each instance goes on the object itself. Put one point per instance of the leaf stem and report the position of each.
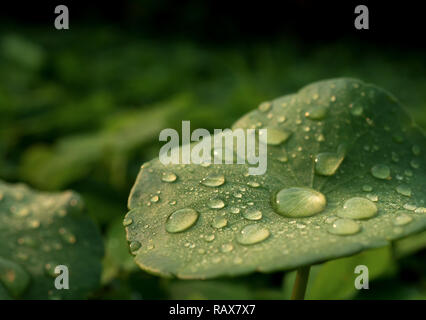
(300, 283)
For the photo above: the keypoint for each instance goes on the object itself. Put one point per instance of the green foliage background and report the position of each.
(82, 110)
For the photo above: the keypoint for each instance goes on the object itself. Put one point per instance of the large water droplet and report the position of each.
(168, 177)
(380, 171)
(226, 247)
(358, 208)
(252, 214)
(181, 220)
(213, 180)
(344, 227)
(252, 234)
(298, 202)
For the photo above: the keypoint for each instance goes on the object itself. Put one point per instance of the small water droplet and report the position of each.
(343, 227)
(209, 237)
(402, 219)
(252, 234)
(155, 199)
(253, 184)
(358, 208)
(327, 163)
(409, 206)
(367, 188)
(216, 204)
(219, 222)
(252, 214)
(356, 109)
(168, 177)
(67, 236)
(134, 246)
(298, 202)
(235, 210)
(265, 106)
(49, 268)
(276, 136)
(214, 180)
(380, 171)
(372, 197)
(404, 189)
(181, 220)
(316, 112)
(127, 221)
(226, 247)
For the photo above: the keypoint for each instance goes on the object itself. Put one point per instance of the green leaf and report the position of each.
(335, 279)
(346, 172)
(39, 231)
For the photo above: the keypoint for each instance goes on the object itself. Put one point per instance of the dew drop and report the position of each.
(343, 227)
(316, 113)
(402, 219)
(216, 204)
(214, 180)
(219, 222)
(226, 247)
(252, 214)
(372, 197)
(253, 184)
(327, 163)
(265, 106)
(356, 109)
(155, 199)
(181, 220)
(252, 234)
(67, 236)
(277, 136)
(298, 202)
(209, 238)
(49, 268)
(380, 171)
(358, 208)
(134, 246)
(127, 221)
(420, 210)
(168, 177)
(404, 189)
(367, 188)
